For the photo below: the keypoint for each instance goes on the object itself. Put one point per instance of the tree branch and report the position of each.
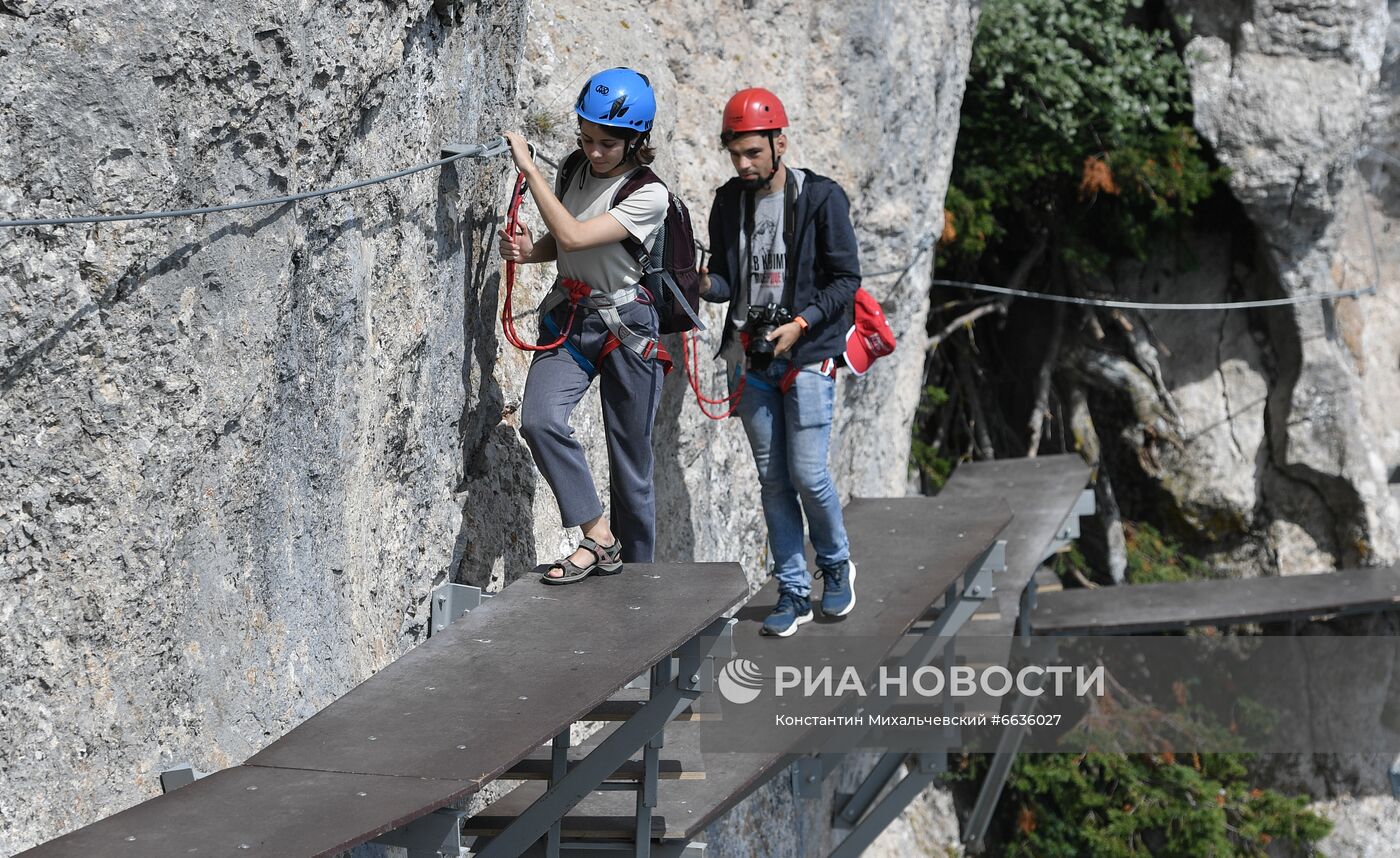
(1039, 410)
(965, 319)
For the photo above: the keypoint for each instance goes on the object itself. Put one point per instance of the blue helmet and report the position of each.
(618, 98)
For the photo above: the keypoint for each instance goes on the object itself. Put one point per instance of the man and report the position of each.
(784, 256)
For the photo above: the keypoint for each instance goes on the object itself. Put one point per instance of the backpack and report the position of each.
(668, 269)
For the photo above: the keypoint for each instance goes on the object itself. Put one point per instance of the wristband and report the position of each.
(801, 323)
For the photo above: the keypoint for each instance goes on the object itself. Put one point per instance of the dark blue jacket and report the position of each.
(824, 252)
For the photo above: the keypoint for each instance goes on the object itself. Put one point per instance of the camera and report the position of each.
(760, 323)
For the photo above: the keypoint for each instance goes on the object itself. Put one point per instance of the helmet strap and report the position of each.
(772, 148)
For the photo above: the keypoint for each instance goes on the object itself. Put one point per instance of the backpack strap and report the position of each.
(567, 171)
(638, 179)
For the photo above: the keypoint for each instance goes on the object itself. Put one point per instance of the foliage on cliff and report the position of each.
(1075, 149)
(1144, 804)
(1075, 138)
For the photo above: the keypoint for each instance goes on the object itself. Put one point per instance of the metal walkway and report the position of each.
(1144, 608)
(927, 565)
(492, 697)
(456, 712)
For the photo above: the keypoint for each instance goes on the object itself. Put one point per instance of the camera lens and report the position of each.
(761, 350)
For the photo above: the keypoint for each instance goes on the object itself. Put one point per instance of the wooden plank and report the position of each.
(684, 806)
(1041, 492)
(682, 760)
(250, 810)
(575, 826)
(908, 551)
(512, 674)
(1130, 609)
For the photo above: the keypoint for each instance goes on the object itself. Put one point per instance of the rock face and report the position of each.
(1285, 425)
(242, 448)
(1285, 419)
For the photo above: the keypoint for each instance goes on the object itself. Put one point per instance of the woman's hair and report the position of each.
(638, 144)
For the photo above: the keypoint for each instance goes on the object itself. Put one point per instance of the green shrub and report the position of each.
(1076, 124)
(1164, 804)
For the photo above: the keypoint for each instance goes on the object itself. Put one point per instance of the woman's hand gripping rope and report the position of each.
(513, 253)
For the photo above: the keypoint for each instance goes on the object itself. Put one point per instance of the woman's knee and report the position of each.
(541, 425)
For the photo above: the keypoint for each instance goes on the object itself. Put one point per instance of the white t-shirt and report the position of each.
(609, 267)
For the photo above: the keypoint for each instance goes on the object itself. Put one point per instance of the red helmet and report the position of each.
(753, 110)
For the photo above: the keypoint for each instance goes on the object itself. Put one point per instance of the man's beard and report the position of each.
(761, 184)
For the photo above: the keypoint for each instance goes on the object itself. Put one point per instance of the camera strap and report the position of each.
(789, 240)
(747, 262)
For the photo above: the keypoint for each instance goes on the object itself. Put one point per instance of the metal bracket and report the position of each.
(181, 774)
(930, 764)
(1069, 528)
(438, 833)
(698, 674)
(807, 777)
(723, 649)
(979, 582)
(451, 601)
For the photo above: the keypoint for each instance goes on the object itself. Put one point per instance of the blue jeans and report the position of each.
(790, 434)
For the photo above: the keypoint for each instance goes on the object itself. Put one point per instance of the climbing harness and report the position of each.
(578, 295)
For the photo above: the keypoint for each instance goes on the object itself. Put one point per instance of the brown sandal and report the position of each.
(607, 560)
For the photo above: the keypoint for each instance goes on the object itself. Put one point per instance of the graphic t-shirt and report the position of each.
(767, 252)
(609, 267)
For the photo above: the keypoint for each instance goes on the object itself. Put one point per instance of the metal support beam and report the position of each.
(558, 767)
(1069, 528)
(864, 832)
(959, 604)
(667, 701)
(1028, 602)
(430, 836)
(450, 602)
(850, 807)
(1068, 532)
(1008, 745)
(961, 600)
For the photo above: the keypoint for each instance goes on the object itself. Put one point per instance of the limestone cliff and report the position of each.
(239, 450)
(1284, 439)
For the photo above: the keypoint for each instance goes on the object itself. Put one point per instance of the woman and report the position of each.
(610, 324)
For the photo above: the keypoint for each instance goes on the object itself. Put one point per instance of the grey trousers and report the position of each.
(630, 387)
